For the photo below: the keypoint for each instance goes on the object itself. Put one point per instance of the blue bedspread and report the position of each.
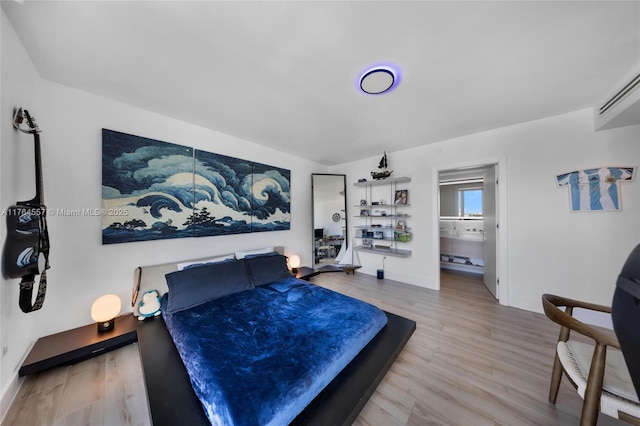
(259, 357)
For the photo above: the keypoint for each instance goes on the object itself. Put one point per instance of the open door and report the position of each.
(489, 190)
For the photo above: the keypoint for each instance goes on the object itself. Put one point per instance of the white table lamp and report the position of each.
(105, 310)
(294, 262)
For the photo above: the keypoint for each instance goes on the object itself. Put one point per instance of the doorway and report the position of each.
(468, 224)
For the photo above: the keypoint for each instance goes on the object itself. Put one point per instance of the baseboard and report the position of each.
(526, 304)
(418, 281)
(9, 394)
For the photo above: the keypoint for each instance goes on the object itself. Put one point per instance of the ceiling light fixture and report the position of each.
(379, 79)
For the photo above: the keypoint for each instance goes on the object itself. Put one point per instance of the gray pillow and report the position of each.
(194, 286)
(267, 269)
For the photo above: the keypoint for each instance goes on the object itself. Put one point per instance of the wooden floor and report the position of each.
(471, 361)
(105, 390)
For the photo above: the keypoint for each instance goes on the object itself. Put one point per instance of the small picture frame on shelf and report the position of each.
(378, 235)
(366, 243)
(401, 196)
(363, 202)
(364, 212)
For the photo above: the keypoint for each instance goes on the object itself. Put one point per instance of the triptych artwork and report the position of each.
(157, 190)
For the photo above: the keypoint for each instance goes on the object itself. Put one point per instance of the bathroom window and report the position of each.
(470, 202)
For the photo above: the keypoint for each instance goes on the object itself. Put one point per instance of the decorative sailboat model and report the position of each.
(345, 260)
(383, 166)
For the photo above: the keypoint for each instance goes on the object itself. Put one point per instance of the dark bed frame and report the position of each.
(172, 400)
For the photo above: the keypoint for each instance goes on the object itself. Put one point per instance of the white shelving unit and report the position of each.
(383, 222)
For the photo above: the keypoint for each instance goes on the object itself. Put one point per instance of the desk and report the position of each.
(79, 344)
(328, 247)
(326, 251)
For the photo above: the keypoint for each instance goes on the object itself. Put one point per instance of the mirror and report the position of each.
(461, 199)
(329, 218)
(461, 193)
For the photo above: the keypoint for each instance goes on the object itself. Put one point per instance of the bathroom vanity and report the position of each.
(462, 249)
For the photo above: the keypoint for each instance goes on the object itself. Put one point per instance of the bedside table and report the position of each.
(78, 344)
(305, 273)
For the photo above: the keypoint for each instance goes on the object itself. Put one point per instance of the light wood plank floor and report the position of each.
(471, 361)
(105, 390)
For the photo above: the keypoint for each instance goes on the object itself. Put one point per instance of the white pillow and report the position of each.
(243, 254)
(181, 266)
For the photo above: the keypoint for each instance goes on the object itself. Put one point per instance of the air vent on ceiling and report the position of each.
(621, 107)
(621, 94)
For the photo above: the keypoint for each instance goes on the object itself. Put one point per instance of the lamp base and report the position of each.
(106, 325)
(294, 270)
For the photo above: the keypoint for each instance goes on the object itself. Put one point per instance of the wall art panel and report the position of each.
(270, 197)
(157, 190)
(222, 204)
(147, 188)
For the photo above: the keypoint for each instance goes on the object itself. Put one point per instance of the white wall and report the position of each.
(324, 213)
(18, 85)
(548, 248)
(81, 267)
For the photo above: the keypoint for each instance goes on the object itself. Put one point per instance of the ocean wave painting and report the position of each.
(271, 201)
(158, 190)
(235, 196)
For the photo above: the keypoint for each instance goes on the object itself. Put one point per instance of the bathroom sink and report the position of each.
(471, 235)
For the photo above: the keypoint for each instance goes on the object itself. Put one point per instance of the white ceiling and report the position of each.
(283, 74)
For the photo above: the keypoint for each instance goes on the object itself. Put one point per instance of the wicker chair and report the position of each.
(598, 371)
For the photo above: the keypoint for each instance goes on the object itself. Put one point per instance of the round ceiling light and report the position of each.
(379, 79)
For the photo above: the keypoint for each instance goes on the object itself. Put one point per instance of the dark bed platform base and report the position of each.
(172, 400)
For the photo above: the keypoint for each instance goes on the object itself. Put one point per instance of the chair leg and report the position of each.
(591, 406)
(556, 373)
(556, 377)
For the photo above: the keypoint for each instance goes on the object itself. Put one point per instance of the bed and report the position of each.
(333, 351)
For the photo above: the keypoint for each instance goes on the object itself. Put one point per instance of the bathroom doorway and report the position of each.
(468, 223)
